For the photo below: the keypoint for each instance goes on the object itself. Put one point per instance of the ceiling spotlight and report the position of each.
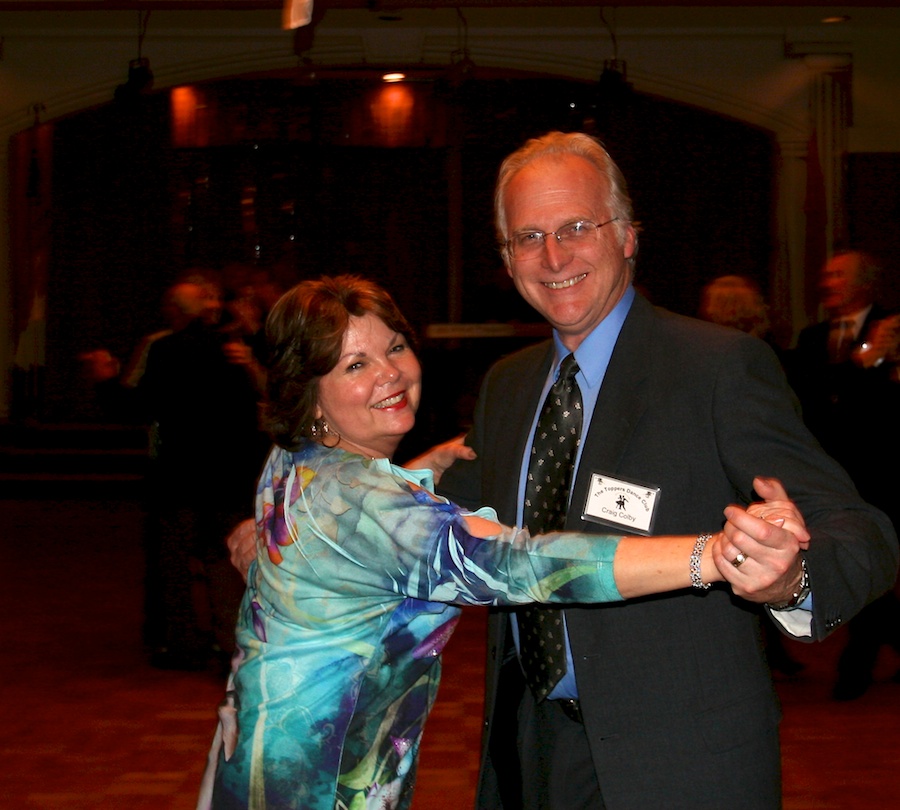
(836, 19)
(140, 80)
(140, 77)
(393, 77)
(613, 84)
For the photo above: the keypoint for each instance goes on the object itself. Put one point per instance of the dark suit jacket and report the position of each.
(674, 689)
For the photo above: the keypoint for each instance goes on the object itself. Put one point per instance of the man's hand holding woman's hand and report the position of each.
(760, 553)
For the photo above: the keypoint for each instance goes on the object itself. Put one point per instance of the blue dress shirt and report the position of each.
(593, 359)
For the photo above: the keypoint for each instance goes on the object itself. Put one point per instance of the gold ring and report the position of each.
(738, 561)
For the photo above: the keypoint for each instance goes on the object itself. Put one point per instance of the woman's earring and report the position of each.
(320, 431)
(326, 432)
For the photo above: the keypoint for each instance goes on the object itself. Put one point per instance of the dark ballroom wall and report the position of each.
(310, 180)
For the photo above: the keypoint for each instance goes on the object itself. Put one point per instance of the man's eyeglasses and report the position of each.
(530, 244)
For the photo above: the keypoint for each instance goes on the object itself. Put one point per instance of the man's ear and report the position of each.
(630, 245)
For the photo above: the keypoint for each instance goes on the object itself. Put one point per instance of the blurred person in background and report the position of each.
(200, 391)
(843, 370)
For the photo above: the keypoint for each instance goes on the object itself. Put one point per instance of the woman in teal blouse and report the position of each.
(361, 569)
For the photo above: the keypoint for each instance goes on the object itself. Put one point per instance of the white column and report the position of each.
(811, 188)
(830, 118)
(788, 295)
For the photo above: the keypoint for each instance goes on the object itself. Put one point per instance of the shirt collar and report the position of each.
(858, 318)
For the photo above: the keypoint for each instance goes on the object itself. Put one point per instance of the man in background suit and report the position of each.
(666, 702)
(843, 371)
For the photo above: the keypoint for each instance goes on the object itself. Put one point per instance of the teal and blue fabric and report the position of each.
(355, 592)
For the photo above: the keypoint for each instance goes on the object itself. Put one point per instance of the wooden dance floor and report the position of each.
(87, 724)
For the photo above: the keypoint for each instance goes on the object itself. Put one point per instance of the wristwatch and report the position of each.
(798, 595)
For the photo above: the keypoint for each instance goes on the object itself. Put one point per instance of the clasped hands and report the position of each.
(758, 551)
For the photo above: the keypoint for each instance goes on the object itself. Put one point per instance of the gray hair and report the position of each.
(561, 144)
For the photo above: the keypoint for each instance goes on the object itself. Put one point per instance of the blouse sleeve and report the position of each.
(389, 528)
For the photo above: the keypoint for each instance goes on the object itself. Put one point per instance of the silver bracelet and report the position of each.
(696, 554)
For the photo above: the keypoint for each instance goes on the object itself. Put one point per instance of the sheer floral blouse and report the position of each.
(355, 592)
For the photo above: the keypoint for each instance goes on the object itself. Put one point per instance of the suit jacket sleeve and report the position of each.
(698, 411)
(853, 552)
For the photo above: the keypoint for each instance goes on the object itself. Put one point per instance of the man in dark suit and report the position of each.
(666, 702)
(843, 370)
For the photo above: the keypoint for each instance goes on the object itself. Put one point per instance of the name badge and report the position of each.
(624, 504)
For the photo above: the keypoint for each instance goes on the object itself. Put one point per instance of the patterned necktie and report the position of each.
(541, 632)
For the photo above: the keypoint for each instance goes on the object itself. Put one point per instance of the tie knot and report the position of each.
(568, 368)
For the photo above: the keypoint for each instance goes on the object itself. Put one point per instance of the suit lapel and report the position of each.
(620, 404)
(518, 410)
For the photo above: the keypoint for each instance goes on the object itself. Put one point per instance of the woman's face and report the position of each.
(371, 396)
